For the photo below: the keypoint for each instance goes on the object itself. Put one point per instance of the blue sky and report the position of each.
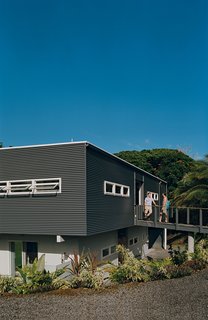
(123, 75)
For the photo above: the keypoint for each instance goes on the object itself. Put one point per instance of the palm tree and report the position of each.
(193, 188)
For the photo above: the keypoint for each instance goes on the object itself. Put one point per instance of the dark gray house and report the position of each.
(59, 199)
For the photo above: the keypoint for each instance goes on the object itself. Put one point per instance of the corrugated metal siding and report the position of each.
(107, 212)
(151, 184)
(64, 213)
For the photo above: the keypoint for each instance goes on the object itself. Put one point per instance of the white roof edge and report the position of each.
(45, 145)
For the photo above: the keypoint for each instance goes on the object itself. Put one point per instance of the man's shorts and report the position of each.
(164, 209)
(147, 209)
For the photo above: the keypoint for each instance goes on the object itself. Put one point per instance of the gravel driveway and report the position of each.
(184, 299)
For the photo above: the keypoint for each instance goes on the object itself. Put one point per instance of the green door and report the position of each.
(16, 255)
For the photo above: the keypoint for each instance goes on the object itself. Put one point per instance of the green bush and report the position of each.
(8, 284)
(86, 279)
(201, 251)
(129, 273)
(130, 269)
(85, 273)
(178, 271)
(179, 257)
(158, 269)
(195, 265)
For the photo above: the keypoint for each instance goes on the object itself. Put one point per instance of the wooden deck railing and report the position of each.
(179, 218)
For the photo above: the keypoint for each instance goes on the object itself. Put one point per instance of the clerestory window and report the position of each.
(115, 189)
(30, 186)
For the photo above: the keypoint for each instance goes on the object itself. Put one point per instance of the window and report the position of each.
(47, 185)
(154, 195)
(105, 252)
(135, 240)
(131, 242)
(116, 189)
(108, 251)
(113, 249)
(108, 187)
(126, 191)
(3, 187)
(31, 251)
(33, 186)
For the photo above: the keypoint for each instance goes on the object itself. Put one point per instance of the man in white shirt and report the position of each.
(148, 201)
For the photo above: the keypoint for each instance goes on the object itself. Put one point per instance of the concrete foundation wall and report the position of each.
(4, 258)
(57, 253)
(137, 236)
(101, 241)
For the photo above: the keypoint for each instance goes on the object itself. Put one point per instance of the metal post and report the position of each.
(155, 216)
(190, 242)
(188, 216)
(200, 220)
(176, 219)
(165, 239)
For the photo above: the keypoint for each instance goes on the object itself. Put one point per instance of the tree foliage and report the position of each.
(168, 164)
(192, 190)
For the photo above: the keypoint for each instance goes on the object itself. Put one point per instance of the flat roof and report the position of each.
(44, 145)
(87, 144)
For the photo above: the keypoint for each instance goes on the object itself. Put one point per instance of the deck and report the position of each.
(179, 219)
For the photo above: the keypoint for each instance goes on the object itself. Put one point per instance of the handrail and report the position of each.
(179, 218)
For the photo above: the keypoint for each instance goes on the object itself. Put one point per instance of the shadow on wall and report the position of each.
(155, 238)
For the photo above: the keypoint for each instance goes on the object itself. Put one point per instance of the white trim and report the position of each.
(33, 186)
(44, 145)
(114, 193)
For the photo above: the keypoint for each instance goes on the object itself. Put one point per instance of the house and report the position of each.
(61, 199)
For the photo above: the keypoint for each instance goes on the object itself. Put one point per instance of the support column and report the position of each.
(165, 239)
(190, 242)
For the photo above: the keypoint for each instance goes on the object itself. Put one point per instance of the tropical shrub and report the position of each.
(158, 269)
(34, 278)
(178, 271)
(195, 264)
(201, 251)
(9, 284)
(86, 279)
(178, 257)
(130, 268)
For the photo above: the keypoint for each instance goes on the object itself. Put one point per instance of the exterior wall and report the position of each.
(54, 252)
(57, 253)
(64, 213)
(155, 237)
(107, 212)
(4, 258)
(101, 241)
(139, 233)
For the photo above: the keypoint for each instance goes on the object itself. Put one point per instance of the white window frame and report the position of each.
(154, 195)
(114, 193)
(109, 250)
(30, 186)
